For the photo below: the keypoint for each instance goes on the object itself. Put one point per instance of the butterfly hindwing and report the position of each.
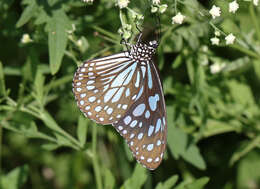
(144, 124)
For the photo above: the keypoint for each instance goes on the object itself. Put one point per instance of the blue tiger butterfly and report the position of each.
(124, 90)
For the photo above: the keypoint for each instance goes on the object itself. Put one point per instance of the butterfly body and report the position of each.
(124, 90)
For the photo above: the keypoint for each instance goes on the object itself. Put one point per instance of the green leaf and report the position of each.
(16, 178)
(128, 152)
(39, 87)
(179, 146)
(177, 62)
(177, 141)
(137, 179)
(82, 130)
(57, 38)
(109, 180)
(245, 149)
(198, 184)
(168, 184)
(27, 14)
(193, 156)
(241, 93)
(2, 81)
(50, 146)
(49, 121)
(191, 69)
(247, 170)
(256, 64)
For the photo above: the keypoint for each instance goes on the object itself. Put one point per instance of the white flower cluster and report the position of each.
(26, 38)
(178, 19)
(217, 67)
(233, 7)
(88, 1)
(230, 39)
(157, 7)
(122, 3)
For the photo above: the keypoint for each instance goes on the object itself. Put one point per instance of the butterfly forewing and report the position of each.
(144, 125)
(105, 88)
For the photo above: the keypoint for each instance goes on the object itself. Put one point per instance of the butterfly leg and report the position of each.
(123, 42)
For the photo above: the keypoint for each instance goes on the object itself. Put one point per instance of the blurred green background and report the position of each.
(212, 97)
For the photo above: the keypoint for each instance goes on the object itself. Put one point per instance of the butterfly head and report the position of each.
(153, 44)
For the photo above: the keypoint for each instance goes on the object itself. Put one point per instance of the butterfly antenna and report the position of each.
(158, 20)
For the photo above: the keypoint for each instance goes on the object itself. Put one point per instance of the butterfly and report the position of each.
(124, 90)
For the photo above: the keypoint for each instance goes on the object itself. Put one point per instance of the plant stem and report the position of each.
(1, 130)
(240, 46)
(246, 51)
(109, 34)
(95, 158)
(254, 19)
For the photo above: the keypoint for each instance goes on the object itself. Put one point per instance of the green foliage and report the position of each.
(211, 93)
(16, 178)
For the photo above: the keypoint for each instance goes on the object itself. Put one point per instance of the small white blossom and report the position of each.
(79, 43)
(216, 67)
(123, 3)
(88, 1)
(154, 9)
(230, 39)
(233, 6)
(214, 41)
(26, 38)
(178, 19)
(217, 33)
(162, 8)
(204, 61)
(215, 11)
(156, 2)
(205, 48)
(73, 28)
(255, 2)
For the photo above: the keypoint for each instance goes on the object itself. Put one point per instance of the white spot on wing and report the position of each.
(127, 92)
(140, 93)
(153, 101)
(150, 147)
(98, 108)
(150, 81)
(124, 106)
(139, 110)
(137, 79)
(92, 99)
(150, 130)
(133, 124)
(147, 114)
(90, 82)
(109, 111)
(127, 120)
(83, 95)
(90, 87)
(140, 136)
(158, 142)
(158, 125)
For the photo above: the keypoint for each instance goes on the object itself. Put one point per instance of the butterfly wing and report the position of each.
(105, 88)
(144, 124)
